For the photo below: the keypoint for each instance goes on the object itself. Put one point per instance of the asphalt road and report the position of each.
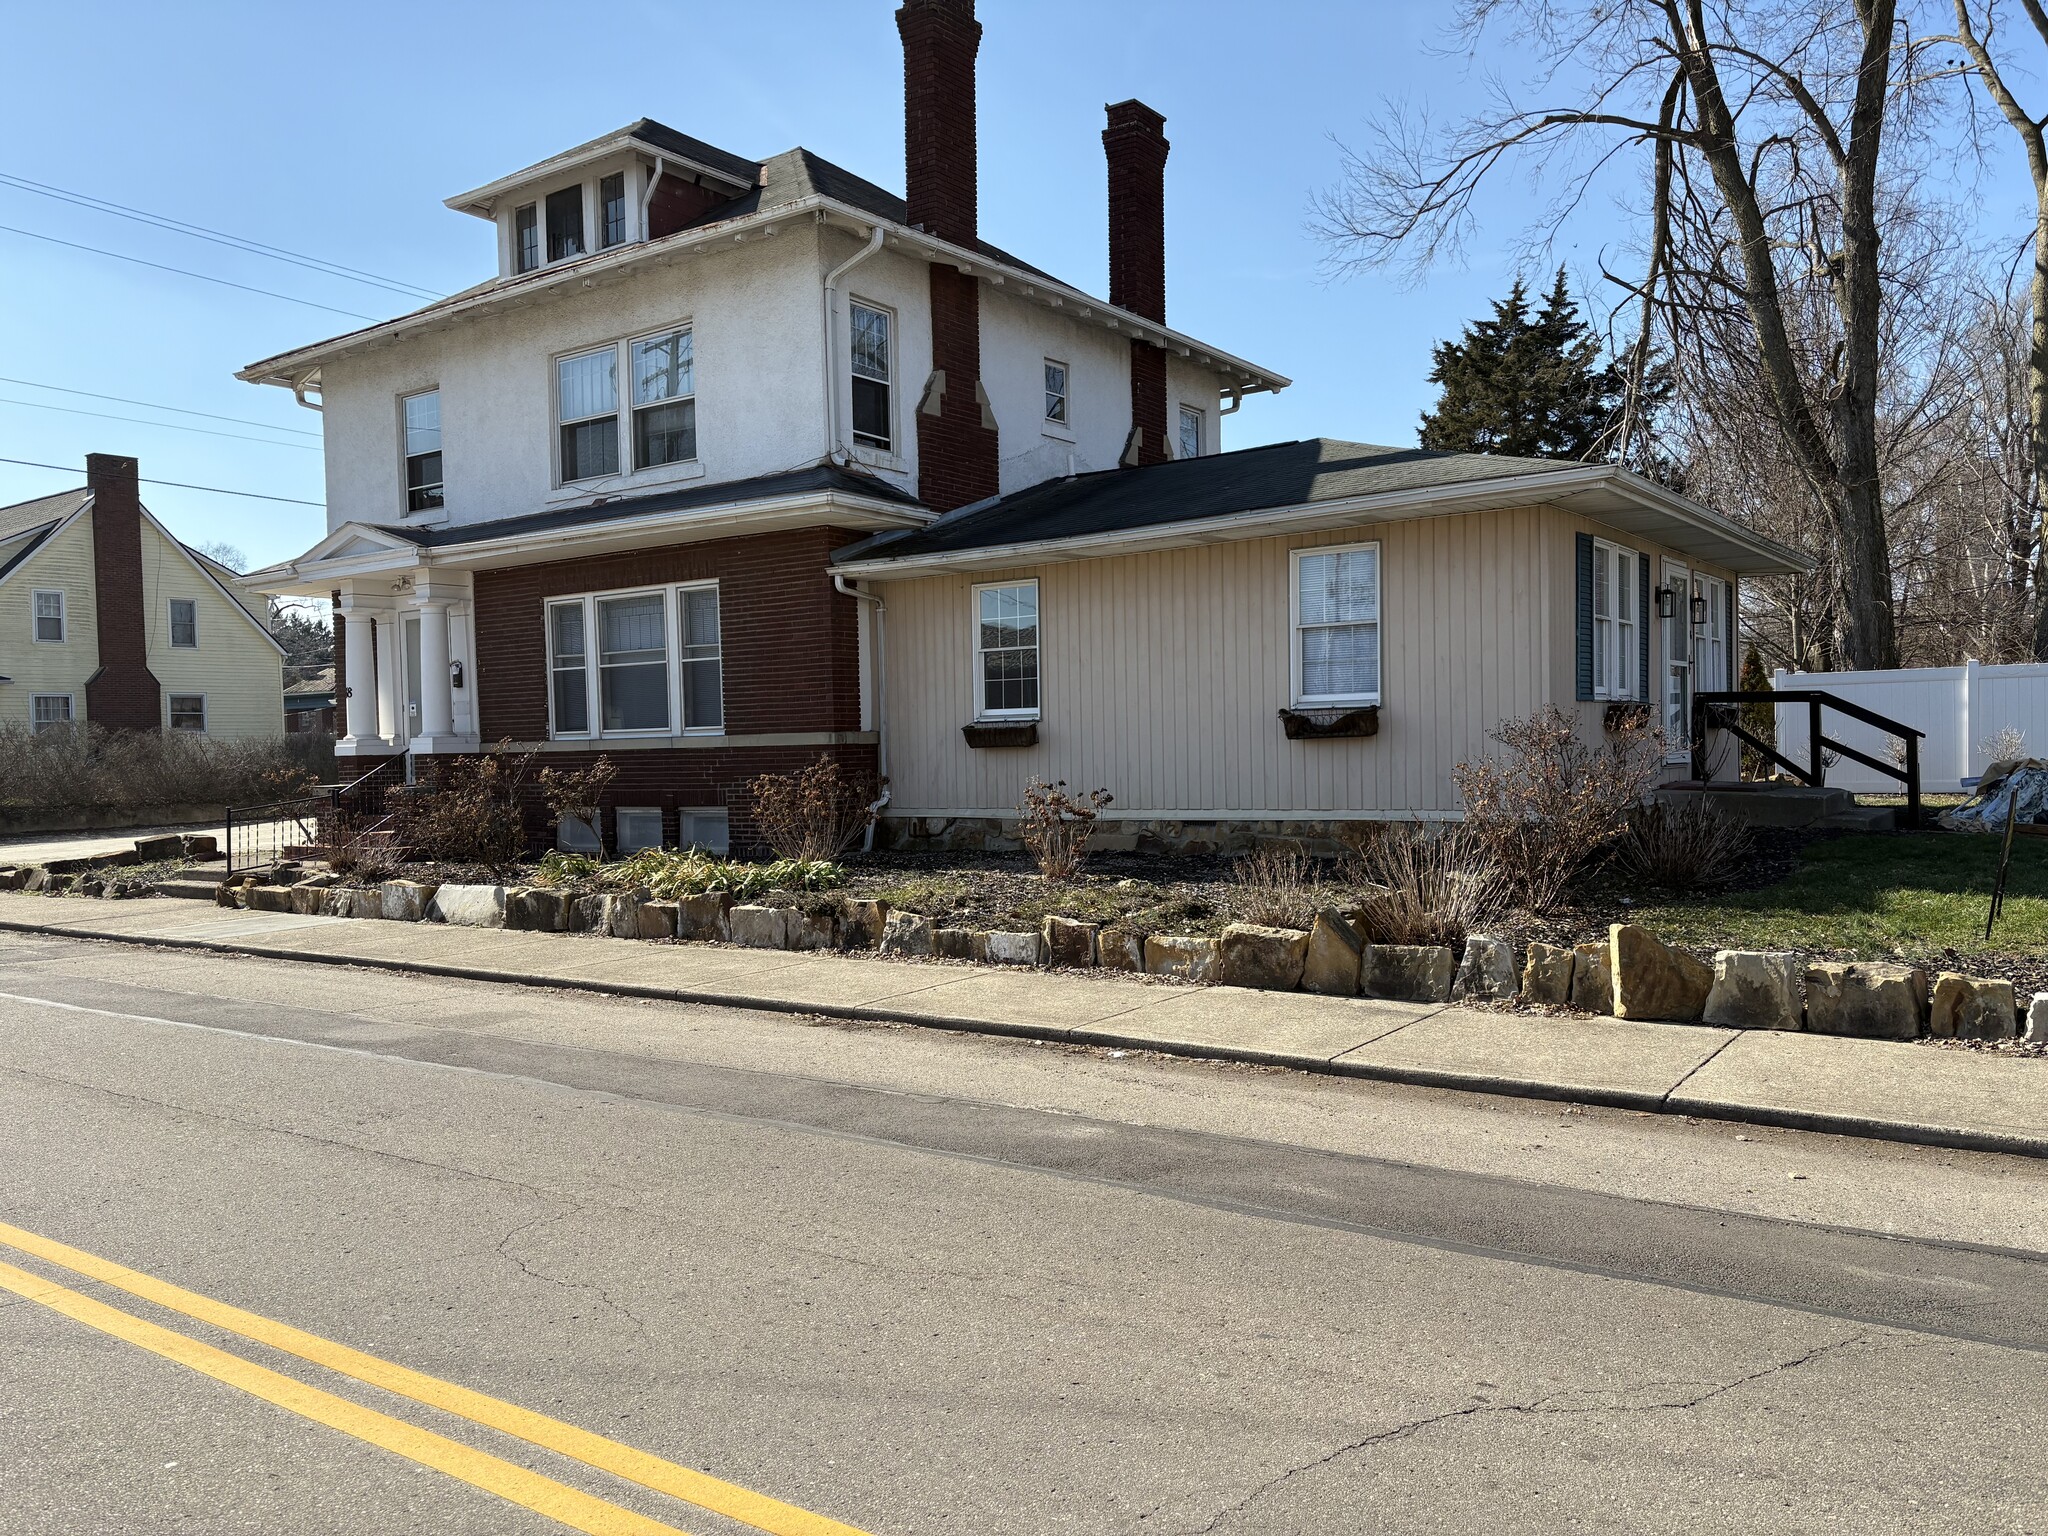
(915, 1282)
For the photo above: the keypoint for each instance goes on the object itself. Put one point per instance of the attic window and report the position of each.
(611, 202)
(565, 223)
(526, 239)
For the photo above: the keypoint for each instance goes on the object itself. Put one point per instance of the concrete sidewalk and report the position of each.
(1808, 1082)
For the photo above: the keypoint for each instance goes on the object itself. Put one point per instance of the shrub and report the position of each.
(1760, 720)
(816, 813)
(577, 794)
(1279, 885)
(2004, 745)
(471, 814)
(1684, 844)
(1550, 804)
(1425, 884)
(1056, 826)
(88, 765)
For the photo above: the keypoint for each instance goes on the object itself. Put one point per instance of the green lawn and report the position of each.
(1912, 894)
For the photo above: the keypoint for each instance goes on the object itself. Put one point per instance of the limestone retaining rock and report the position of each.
(1006, 948)
(1069, 944)
(1269, 959)
(636, 915)
(1592, 978)
(1335, 956)
(905, 933)
(587, 914)
(1119, 950)
(12, 879)
(814, 930)
(760, 927)
(1191, 959)
(1754, 990)
(862, 927)
(1488, 970)
(308, 898)
(270, 898)
(1876, 1002)
(704, 916)
(533, 910)
(405, 901)
(953, 943)
(1971, 1008)
(1653, 981)
(1547, 975)
(1408, 973)
(2037, 1020)
(154, 850)
(352, 901)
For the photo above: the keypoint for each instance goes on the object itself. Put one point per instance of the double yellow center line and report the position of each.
(567, 1506)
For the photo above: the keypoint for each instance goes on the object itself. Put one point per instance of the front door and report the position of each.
(1678, 662)
(412, 677)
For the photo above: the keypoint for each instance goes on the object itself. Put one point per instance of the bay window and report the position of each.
(651, 661)
(1337, 625)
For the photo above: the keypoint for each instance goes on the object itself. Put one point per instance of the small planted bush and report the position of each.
(1279, 885)
(1055, 826)
(471, 814)
(814, 814)
(1426, 884)
(1684, 844)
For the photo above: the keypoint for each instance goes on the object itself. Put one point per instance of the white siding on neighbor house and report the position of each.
(1162, 674)
(63, 563)
(234, 666)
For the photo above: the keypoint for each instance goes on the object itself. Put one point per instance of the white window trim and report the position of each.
(405, 462)
(593, 649)
(622, 411)
(1201, 428)
(171, 623)
(1678, 575)
(874, 453)
(63, 617)
(1060, 427)
(1295, 630)
(1616, 650)
(205, 712)
(70, 710)
(974, 619)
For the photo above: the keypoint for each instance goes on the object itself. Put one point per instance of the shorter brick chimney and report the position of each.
(1135, 143)
(123, 693)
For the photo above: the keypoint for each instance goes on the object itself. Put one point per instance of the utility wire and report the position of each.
(218, 490)
(151, 405)
(182, 272)
(218, 237)
(168, 426)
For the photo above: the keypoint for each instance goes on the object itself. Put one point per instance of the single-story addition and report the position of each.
(1308, 632)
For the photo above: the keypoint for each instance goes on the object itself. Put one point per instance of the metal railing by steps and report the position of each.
(262, 836)
(1722, 711)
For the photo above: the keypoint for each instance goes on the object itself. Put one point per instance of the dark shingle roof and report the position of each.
(710, 156)
(38, 517)
(1188, 490)
(795, 482)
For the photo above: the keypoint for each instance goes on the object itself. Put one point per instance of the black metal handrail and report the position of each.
(1718, 710)
(259, 835)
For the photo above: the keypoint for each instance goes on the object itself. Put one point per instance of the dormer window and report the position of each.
(611, 202)
(565, 223)
(526, 239)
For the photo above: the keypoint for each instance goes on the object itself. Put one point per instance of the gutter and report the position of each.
(881, 657)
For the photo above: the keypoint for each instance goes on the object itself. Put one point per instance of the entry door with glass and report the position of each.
(1677, 626)
(412, 677)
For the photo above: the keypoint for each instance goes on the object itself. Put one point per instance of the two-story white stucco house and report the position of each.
(734, 462)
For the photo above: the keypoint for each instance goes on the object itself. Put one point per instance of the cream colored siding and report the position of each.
(63, 563)
(1162, 674)
(234, 665)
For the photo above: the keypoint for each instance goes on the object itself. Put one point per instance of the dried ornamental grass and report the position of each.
(1426, 884)
(1686, 843)
(1279, 886)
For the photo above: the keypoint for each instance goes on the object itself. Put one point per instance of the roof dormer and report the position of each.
(641, 183)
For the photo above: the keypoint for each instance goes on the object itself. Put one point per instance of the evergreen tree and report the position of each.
(1529, 386)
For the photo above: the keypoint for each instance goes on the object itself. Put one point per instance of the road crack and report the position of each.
(587, 1287)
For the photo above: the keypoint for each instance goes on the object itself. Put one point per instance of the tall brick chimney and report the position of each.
(1135, 143)
(956, 436)
(123, 693)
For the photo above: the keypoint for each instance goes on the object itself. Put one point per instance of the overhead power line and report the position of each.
(218, 237)
(152, 405)
(168, 426)
(217, 490)
(353, 314)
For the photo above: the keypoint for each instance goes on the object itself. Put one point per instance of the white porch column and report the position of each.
(360, 665)
(434, 600)
(390, 692)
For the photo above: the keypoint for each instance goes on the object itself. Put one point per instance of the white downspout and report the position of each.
(299, 388)
(647, 192)
(879, 662)
(1236, 400)
(833, 452)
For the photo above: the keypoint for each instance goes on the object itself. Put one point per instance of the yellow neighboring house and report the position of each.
(105, 617)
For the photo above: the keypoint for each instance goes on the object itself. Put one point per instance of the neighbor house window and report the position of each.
(422, 450)
(664, 400)
(188, 711)
(647, 658)
(48, 709)
(1056, 392)
(587, 410)
(1190, 432)
(1006, 649)
(611, 202)
(1337, 625)
(49, 618)
(184, 624)
(526, 239)
(565, 223)
(871, 376)
(1616, 635)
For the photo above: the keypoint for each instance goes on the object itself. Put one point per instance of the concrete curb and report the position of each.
(1956, 1138)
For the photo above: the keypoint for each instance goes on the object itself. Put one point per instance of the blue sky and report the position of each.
(337, 131)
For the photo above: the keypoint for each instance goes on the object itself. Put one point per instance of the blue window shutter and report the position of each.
(1729, 682)
(1585, 609)
(1644, 619)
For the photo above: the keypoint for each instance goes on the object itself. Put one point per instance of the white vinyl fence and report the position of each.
(1962, 710)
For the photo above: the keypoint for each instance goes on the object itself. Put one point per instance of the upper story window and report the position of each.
(565, 223)
(526, 238)
(49, 618)
(872, 360)
(647, 659)
(1006, 650)
(1616, 635)
(611, 207)
(184, 624)
(587, 414)
(1056, 392)
(1190, 432)
(664, 400)
(422, 451)
(1337, 625)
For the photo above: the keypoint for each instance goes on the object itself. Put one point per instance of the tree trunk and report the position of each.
(2037, 409)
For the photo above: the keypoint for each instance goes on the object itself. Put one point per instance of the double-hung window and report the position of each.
(587, 413)
(1712, 670)
(1056, 392)
(184, 624)
(48, 709)
(526, 238)
(1337, 625)
(1617, 635)
(188, 712)
(872, 360)
(565, 223)
(611, 204)
(1006, 650)
(422, 450)
(1190, 432)
(664, 400)
(636, 663)
(49, 618)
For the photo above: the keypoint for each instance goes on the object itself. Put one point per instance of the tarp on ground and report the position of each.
(2022, 779)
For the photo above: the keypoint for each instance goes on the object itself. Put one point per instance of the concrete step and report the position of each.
(191, 890)
(215, 871)
(1768, 805)
(1863, 818)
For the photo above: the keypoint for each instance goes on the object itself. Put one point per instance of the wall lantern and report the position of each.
(1699, 611)
(455, 674)
(1667, 602)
